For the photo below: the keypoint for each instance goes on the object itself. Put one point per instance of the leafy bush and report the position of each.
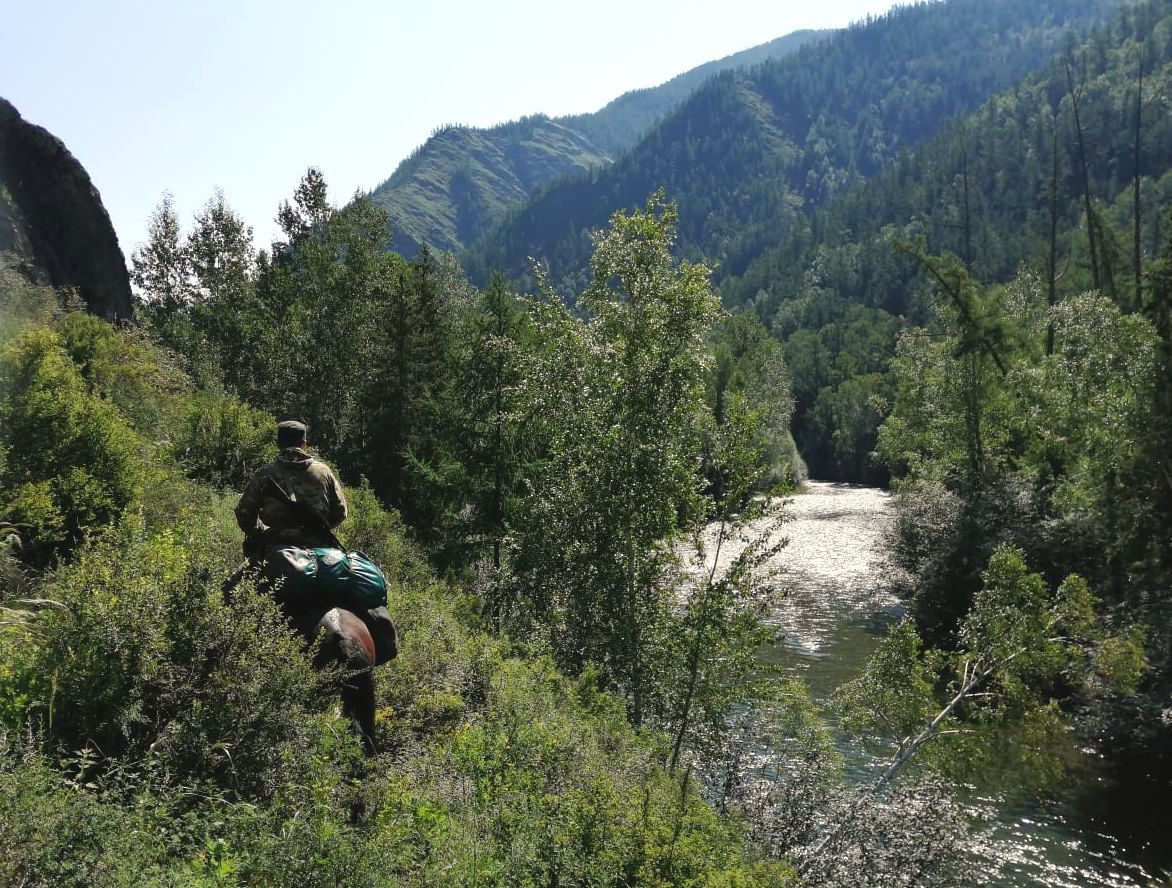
(72, 464)
(162, 712)
(380, 533)
(142, 660)
(56, 834)
(221, 441)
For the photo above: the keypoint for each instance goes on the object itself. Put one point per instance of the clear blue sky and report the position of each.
(243, 95)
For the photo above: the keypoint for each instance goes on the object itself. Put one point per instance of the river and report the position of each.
(837, 607)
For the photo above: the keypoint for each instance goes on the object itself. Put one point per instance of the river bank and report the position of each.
(836, 606)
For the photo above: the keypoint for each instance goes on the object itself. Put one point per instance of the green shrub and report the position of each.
(72, 465)
(221, 441)
(24, 303)
(122, 366)
(380, 533)
(143, 661)
(58, 835)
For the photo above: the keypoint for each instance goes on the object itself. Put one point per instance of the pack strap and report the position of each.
(310, 519)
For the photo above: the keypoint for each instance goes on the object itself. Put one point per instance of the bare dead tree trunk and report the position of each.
(977, 671)
(968, 222)
(1052, 291)
(973, 677)
(1086, 178)
(1137, 252)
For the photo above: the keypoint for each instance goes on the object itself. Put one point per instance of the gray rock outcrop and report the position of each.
(53, 221)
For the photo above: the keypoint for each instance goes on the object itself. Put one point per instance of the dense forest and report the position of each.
(968, 298)
(1017, 184)
(750, 152)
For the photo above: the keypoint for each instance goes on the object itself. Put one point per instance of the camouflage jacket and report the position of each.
(263, 515)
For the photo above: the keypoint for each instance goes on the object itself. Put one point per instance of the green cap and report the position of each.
(290, 433)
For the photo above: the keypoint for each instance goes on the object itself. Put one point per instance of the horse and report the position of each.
(338, 636)
(341, 637)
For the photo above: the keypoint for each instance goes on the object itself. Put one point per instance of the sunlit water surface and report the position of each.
(837, 606)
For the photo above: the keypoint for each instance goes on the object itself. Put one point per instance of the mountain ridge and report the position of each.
(464, 179)
(740, 163)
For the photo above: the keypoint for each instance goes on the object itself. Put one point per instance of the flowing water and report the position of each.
(837, 608)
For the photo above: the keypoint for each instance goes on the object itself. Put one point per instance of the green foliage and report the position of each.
(494, 447)
(464, 179)
(159, 267)
(222, 441)
(1033, 448)
(1091, 399)
(123, 367)
(895, 696)
(748, 362)
(999, 188)
(994, 705)
(71, 462)
(151, 734)
(310, 211)
(617, 397)
(25, 303)
(727, 599)
(381, 534)
(141, 660)
(197, 724)
(55, 833)
(410, 406)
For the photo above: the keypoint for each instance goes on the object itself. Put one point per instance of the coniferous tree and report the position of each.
(495, 448)
(160, 268)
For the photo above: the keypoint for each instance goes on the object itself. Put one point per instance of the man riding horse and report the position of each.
(295, 500)
(268, 519)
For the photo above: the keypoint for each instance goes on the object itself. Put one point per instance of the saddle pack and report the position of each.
(349, 576)
(328, 572)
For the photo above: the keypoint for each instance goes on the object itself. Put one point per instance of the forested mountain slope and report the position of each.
(1004, 188)
(620, 124)
(748, 152)
(463, 179)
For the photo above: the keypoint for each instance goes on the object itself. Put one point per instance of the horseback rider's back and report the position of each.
(273, 507)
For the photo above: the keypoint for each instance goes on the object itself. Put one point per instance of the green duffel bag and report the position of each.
(349, 575)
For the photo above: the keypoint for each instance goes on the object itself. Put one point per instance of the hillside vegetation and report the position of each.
(751, 152)
(1019, 183)
(152, 733)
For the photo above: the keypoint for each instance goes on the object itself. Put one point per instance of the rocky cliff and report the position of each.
(52, 219)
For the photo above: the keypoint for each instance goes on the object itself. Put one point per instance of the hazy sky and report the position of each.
(244, 95)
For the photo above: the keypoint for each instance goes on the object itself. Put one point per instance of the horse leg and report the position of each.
(346, 640)
(358, 706)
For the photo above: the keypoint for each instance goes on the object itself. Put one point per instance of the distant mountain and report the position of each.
(464, 179)
(750, 152)
(621, 123)
(984, 188)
